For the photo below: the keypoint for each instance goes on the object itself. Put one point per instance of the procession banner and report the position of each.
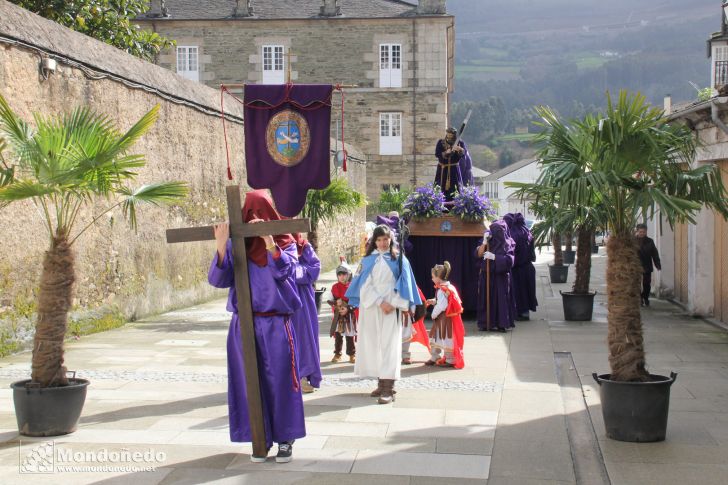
(287, 141)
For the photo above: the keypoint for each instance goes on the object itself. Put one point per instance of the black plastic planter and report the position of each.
(569, 257)
(318, 294)
(578, 307)
(559, 273)
(635, 411)
(50, 411)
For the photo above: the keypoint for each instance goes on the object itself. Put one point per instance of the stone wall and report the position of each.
(341, 50)
(133, 274)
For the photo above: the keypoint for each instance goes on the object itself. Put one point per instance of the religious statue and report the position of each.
(454, 167)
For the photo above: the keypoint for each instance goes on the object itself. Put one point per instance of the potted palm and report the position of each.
(322, 206)
(641, 164)
(63, 165)
(545, 206)
(569, 253)
(567, 153)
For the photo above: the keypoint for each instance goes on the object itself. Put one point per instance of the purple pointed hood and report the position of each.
(500, 241)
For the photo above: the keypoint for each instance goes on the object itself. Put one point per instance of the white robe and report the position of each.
(379, 345)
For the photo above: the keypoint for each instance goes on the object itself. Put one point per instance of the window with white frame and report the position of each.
(491, 190)
(390, 65)
(187, 62)
(273, 64)
(720, 63)
(390, 133)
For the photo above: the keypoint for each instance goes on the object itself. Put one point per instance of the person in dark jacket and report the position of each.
(648, 254)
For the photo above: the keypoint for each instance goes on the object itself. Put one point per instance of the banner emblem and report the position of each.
(288, 138)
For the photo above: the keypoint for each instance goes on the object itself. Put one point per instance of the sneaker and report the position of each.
(430, 362)
(352, 359)
(406, 361)
(285, 452)
(337, 358)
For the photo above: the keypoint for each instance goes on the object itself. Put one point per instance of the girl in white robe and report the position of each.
(383, 287)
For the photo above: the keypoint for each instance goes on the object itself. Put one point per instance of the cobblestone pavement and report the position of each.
(158, 393)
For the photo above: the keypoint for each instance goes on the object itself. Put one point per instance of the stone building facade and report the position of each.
(398, 54)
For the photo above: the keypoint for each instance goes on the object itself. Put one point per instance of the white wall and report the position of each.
(528, 174)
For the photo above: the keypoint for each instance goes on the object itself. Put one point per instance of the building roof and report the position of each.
(510, 168)
(479, 173)
(283, 9)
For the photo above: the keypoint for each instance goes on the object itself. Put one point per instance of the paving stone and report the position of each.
(400, 443)
(422, 464)
(532, 458)
(330, 461)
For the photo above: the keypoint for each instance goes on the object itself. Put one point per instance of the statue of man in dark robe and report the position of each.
(454, 167)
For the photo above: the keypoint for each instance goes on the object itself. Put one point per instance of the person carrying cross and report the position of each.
(272, 263)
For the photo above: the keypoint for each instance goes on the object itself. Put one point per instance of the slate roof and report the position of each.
(285, 9)
(510, 168)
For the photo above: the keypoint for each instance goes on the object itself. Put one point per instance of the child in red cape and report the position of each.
(448, 333)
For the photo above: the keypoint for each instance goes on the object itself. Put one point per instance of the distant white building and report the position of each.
(479, 176)
(526, 171)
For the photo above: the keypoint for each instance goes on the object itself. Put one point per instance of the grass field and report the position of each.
(517, 137)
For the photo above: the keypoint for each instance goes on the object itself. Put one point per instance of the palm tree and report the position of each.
(62, 165)
(568, 152)
(339, 198)
(636, 164)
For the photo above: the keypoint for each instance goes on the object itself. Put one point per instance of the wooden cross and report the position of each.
(238, 232)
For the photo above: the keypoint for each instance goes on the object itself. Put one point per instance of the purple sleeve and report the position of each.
(439, 150)
(223, 276)
(503, 263)
(308, 267)
(284, 265)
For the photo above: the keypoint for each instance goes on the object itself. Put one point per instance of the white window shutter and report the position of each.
(188, 62)
(390, 133)
(390, 65)
(273, 65)
(395, 70)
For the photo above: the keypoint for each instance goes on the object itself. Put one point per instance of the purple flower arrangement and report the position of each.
(470, 206)
(425, 202)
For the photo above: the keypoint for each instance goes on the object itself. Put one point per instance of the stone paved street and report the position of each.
(160, 384)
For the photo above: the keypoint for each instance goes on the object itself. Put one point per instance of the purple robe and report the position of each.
(460, 174)
(524, 273)
(305, 320)
(502, 303)
(273, 290)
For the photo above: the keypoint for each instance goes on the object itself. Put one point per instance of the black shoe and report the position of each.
(501, 330)
(482, 329)
(647, 302)
(522, 318)
(285, 452)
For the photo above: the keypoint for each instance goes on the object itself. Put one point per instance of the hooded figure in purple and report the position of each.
(495, 258)
(305, 320)
(524, 274)
(274, 298)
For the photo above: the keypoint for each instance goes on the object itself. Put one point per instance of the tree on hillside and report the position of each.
(110, 21)
(506, 158)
